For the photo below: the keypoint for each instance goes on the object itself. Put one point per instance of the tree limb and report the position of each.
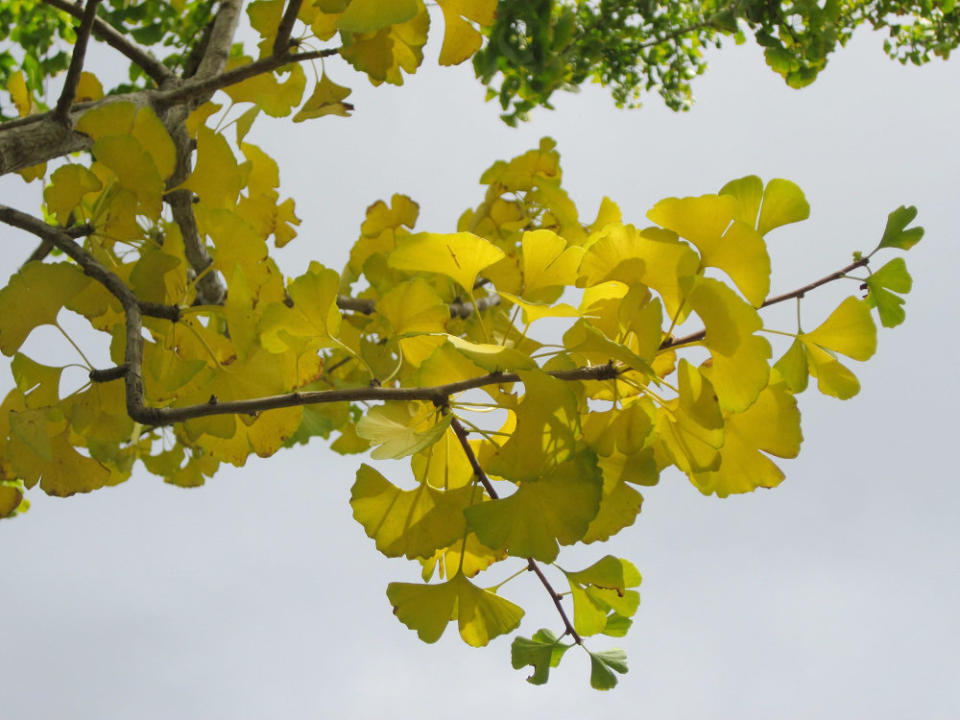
(61, 113)
(155, 70)
(221, 38)
(281, 44)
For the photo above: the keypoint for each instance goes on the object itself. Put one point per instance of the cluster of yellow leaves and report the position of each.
(567, 456)
(383, 40)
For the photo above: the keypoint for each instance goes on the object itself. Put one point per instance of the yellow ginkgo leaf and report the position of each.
(68, 184)
(548, 262)
(491, 357)
(413, 523)
(460, 38)
(414, 307)
(542, 514)
(384, 53)
(134, 169)
(848, 330)
(88, 88)
(481, 614)
(724, 242)
(314, 314)
(400, 429)
(783, 203)
(363, 16)
(460, 256)
(217, 178)
(17, 87)
(833, 377)
(275, 98)
(771, 425)
(327, 99)
(533, 311)
(34, 296)
(153, 136)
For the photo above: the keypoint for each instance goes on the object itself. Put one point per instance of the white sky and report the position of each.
(834, 595)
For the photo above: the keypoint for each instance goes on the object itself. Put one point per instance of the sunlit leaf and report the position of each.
(481, 614)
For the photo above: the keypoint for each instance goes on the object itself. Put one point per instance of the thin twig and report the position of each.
(155, 70)
(461, 434)
(798, 293)
(62, 111)
(200, 88)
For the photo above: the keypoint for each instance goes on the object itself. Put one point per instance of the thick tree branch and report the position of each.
(281, 43)
(221, 38)
(61, 113)
(798, 293)
(532, 564)
(155, 70)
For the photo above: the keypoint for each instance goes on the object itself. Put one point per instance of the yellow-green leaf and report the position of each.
(481, 614)
(362, 16)
(555, 509)
(401, 428)
(34, 296)
(68, 184)
(327, 99)
(848, 330)
(460, 256)
(414, 522)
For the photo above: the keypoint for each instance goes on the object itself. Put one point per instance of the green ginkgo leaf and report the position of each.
(602, 667)
(543, 651)
(608, 572)
(896, 234)
(892, 278)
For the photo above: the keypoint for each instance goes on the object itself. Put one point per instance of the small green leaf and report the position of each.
(883, 284)
(602, 665)
(543, 651)
(896, 234)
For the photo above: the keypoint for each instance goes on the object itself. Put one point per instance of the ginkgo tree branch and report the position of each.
(281, 42)
(532, 564)
(61, 113)
(793, 294)
(221, 38)
(195, 89)
(155, 70)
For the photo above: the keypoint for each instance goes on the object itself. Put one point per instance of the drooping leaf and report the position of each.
(481, 614)
(555, 509)
(602, 666)
(413, 523)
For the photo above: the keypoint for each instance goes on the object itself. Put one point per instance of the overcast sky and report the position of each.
(834, 595)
